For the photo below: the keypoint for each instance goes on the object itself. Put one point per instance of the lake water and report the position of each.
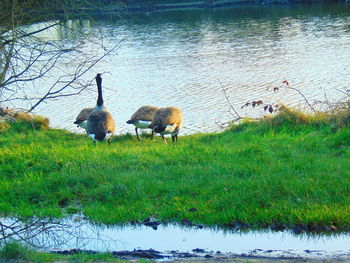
(185, 58)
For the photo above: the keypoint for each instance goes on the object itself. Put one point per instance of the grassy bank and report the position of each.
(291, 169)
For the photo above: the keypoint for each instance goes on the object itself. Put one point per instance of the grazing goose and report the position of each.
(167, 120)
(100, 123)
(142, 118)
(82, 117)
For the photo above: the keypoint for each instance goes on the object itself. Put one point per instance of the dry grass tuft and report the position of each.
(341, 114)
(286, 115)
(4, 126)
(11, 117)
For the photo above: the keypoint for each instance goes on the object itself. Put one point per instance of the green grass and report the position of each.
(291, 169)
(20, 253)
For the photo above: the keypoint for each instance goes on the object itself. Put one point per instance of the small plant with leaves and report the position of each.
(268, 107)
(274, 107)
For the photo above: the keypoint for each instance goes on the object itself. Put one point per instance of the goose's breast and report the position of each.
(142, 124)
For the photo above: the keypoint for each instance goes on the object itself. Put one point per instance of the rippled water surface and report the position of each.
(185, 58)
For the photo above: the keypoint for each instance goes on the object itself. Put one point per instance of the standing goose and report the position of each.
(167, 120)
(142, 118)
(100, 123)
(81, 119)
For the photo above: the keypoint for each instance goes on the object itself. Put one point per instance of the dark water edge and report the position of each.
(157, 6)
(175, 5)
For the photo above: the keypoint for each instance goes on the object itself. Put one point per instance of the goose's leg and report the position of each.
(152, 134)
(137, 134)
(164, 139)
(110, 138)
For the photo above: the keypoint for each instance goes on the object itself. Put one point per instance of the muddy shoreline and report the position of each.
(187, 241)
(201, 255)
(256, 255)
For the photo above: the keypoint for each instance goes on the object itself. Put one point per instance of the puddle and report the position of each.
(169, 240)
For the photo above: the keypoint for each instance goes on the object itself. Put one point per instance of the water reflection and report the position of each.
(41, 233)
(178, 57)
(77, 233)
(56, 234)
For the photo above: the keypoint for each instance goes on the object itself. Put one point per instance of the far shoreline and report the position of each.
(179, 5)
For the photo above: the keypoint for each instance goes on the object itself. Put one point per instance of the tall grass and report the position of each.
(293, 168)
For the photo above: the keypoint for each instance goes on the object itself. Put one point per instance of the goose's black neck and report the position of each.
(99, 89)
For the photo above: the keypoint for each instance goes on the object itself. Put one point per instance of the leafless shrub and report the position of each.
(28, 58)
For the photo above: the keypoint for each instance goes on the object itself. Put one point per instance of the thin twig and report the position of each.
(238, 117)
(306, 100)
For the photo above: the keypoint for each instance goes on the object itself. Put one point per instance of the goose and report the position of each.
(142, 118)
(81, 119)
(167, 120)
(100, 123)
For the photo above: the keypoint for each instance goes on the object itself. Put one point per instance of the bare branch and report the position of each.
(13, 40)
(27, 58)
(300, 93)
(56, 93)
(237, 116)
